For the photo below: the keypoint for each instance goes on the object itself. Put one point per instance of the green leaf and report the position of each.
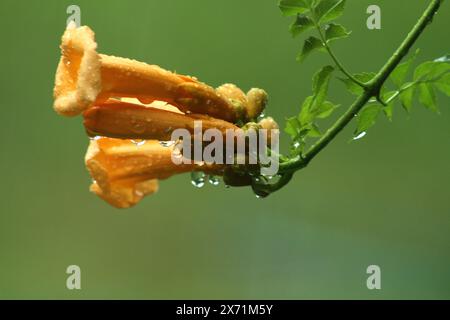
(292, 127)
(407, 96)
(399, 74)
(301, 24)
(306, 116)
(293, 7)
(431, 70)
(321, 81)
(335, 31)
(311, 44)
(327, 10)
(313, 105)
(427, 97)
(355, 88)
(326, 109)
(367, 118)
(314, 131)
(443, 84)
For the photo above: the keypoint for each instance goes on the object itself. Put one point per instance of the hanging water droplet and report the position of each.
(198, 179)
(359, 136)
(137, 126)
(215, 181)
(167, 144)
(95, 138)
(139, 142)
(261, 116)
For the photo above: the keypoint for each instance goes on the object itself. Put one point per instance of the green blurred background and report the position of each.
(382, 200)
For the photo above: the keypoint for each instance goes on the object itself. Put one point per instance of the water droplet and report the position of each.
(198, 179)
(137, 127)
(95, 138)
(139, 142)
(215, 181)
(167, 144)
(445, 58)
(168, 129)
(145, 100)
(359, 136)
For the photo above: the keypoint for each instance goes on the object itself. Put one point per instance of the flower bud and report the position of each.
(256, 102)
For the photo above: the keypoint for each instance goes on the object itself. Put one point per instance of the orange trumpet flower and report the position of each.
(83, 77)
(122, 99)
(123, 173)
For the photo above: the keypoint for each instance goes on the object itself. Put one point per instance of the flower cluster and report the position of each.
(124, 101)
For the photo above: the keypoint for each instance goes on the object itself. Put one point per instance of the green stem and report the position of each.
(398, 92)
(373, 90)
(336, 60)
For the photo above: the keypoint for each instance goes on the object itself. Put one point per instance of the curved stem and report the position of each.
(336, 60)
(373, 89)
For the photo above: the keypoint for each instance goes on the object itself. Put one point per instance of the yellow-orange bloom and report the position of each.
(101, 87)
(83, 76)
(123, 172)
(125, 120)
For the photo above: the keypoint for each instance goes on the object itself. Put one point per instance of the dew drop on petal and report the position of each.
(167, 144)
(138, 142)
(199, 163)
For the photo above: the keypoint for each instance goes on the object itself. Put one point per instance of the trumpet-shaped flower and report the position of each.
(122, 99)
